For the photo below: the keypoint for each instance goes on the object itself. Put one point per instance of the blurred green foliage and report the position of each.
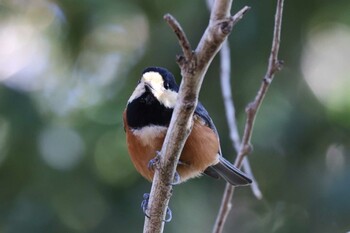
(67, 69)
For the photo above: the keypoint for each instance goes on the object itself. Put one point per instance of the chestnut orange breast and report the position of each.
(200, 150)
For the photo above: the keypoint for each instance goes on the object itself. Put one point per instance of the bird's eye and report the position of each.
(166, 85)
(138, 82)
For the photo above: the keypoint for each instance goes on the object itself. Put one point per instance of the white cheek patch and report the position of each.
(166, 97)
(148, 134)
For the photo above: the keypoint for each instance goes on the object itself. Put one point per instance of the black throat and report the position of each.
(146, 110)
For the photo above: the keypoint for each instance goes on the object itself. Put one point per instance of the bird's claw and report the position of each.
(144, 206)
(176, 180)
(169, 214)
(154, 163)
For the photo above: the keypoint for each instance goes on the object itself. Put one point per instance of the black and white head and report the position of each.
(153, 99)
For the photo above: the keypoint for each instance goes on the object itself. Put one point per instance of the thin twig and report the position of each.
(214, 33)
(245, 148)
(225, 207)
(225, 61)
(273, 66)
(225, 81)
(225, 78)
(239, 15)
(181, 36)
(192, 72)
(255, 185)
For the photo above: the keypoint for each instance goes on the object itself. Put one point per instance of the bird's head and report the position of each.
(158, 83)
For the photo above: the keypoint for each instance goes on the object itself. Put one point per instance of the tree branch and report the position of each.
(217, 29)
(193, 69)
(225, 77)
(273, 66)
(225, 207)
(181, 36)
(252, 109)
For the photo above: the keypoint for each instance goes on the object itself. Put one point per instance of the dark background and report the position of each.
(67, 69)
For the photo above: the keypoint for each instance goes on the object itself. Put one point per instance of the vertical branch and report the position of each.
(225, 77)
(174, 141)
(220, 10)
(193, 68)
(252, 108)
(273, 66)
(225, 207)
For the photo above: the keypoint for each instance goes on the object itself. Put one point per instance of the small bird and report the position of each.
(146, 120)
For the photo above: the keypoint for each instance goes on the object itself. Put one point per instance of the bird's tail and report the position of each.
(230, 173)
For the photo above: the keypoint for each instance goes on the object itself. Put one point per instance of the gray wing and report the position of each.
(224, 168)
(204, 115)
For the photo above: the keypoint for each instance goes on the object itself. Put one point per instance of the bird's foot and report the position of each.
(176, 180)
(154, 163)
(144, 206)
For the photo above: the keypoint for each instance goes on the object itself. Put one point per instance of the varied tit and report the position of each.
(146, 120)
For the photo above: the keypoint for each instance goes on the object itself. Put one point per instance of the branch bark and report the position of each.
(193, 68)
(251, 110)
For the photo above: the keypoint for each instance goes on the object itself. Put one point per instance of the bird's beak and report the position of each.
(148, 87)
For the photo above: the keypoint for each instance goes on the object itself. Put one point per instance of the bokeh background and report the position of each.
(68, 67)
